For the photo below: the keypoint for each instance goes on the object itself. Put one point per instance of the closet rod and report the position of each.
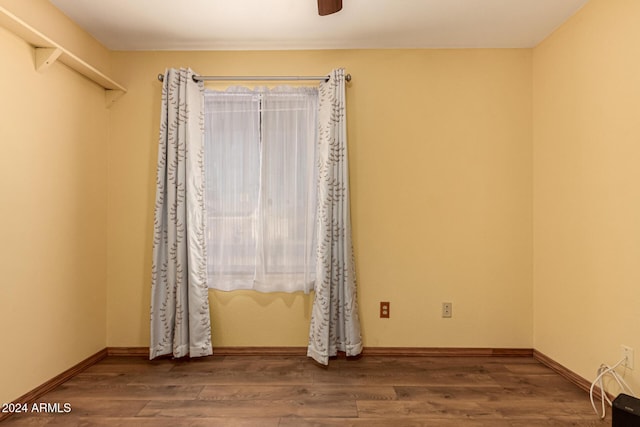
(347, 77)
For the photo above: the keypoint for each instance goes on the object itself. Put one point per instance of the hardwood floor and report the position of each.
(293, 391)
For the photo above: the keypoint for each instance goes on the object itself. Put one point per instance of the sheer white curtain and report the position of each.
(232, 158)
(180, 322)
(261, 188)
(286, 238)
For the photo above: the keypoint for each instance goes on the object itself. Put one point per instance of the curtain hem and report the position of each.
(349, 350)
(159, 351)
(200, 351)
(317, 356)
(353, 349)
(193, 352)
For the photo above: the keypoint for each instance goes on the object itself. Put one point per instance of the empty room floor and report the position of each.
(294, 391)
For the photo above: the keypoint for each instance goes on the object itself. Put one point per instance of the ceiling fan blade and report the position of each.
(327, 7)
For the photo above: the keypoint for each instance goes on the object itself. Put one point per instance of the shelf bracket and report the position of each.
(45, 56)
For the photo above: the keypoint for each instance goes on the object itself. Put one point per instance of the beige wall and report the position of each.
(586, 188)
(53, 134)
(440, 152)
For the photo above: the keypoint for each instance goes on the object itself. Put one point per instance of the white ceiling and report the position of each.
(295, 24)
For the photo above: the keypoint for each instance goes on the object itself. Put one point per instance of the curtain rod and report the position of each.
(347, 77)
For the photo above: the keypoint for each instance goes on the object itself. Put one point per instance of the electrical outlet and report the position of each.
(384, 309)
(447, 308)
(627, 353)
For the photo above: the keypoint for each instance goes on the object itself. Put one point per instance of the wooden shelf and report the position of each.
(48, 51)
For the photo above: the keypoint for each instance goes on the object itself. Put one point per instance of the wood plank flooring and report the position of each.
(293, 391)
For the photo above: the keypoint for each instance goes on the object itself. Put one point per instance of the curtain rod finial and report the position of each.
(347, 77)
(161, 77)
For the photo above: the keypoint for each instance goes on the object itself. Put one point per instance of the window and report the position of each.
(261, 188)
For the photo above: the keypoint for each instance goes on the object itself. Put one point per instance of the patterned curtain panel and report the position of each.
(180, 322)
(335, 325)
